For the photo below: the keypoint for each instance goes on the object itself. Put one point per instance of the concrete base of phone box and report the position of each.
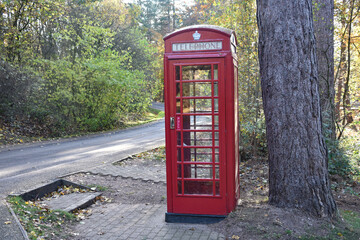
(193, 218)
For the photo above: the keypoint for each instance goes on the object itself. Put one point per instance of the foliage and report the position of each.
(39, 222)
(15, 89)
(20, 21)
(341, 160)
(346, 63)
(98, 188)
(351, 147)
(95, 94)
(241, 17)
(91, 67)
(154, 154)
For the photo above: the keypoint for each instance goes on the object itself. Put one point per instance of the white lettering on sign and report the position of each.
(196, 46)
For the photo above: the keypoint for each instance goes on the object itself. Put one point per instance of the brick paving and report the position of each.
(137, 221)
(113, 221)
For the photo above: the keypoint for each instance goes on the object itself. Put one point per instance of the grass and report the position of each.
(348, 229)
(352, 227)
(154, 154)
(98, 187)
(150, 116)
(40, 222)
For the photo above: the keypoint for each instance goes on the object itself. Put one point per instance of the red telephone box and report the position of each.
(201, 116)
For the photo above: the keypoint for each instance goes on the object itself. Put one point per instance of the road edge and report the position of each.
(23, 232)
(71, 139)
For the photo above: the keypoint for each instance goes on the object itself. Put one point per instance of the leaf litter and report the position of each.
(41, 222)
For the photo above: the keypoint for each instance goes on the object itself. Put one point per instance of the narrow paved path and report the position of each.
(25, 167)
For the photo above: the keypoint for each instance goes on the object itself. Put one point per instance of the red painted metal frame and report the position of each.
(227, 114)
(200, 203)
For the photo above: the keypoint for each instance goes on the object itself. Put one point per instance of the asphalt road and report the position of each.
(27, 166)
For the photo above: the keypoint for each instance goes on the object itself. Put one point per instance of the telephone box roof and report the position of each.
(225, 31)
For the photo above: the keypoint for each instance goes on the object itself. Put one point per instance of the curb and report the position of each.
(23, 232)
(110, 175)
(42, 190)
(129, 157)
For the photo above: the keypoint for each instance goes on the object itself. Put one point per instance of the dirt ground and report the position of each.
(124, 190)
(253, 218)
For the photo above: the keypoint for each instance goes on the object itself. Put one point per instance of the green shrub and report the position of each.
(96, 94)
(344, 157)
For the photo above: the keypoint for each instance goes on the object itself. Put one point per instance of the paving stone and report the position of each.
(72, 201)
(203, 237)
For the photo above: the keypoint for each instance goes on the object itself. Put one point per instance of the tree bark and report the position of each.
(324, 33)
(298, 175)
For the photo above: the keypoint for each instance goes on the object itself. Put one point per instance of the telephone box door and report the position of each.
(197, 122)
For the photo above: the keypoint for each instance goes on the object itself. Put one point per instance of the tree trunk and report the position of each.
(298, 175)
(341, 78)
(324, 33)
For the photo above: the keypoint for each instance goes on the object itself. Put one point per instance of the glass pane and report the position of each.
(216, 157)
(216, 138)
(179, 187)
(187, 170)
(196, 89)
(216, 122)
(178, 89)
(178, 137)
(199, 171)
(216, 72)
(197, 105)
(178, 108)
(198, 154)
(216, 89)
(199, 139)
(179, 174)
(188, 156)
(177, 73)
(217, 188)
(186, 138)
(198, 187)
(197, 122)
(217, 172)
(179, 154)
(216, 105)
(199, 72)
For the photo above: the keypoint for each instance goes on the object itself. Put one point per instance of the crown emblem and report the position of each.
(196, 35)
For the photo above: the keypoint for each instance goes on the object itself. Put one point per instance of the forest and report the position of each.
(79, 66)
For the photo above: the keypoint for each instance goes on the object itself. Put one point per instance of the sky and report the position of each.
(187, 2)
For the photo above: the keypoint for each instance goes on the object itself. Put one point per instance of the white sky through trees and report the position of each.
(178, 3)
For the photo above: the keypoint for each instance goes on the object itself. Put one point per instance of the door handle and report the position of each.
(172, 123)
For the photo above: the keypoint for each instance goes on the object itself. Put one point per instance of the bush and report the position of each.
(94, 95)
(344, 157)
(15, 89)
